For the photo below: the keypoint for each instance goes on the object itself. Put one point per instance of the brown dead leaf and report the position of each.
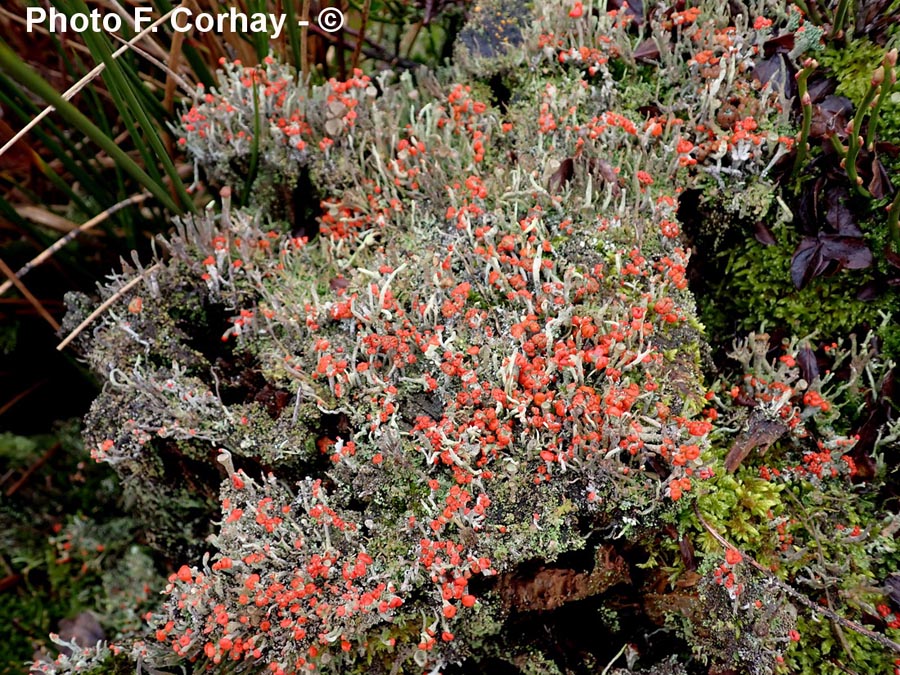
(761, 433)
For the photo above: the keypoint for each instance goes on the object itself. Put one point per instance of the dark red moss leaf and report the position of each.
(658, 466)
(868, 432)
(763, 234)
(84, 630)
(810, 212)
(889, 392)
(562, 175)
(893, 261)
(647, 51)
(778, 71)
(809, 365)
(633, 8)
(9, 581)
(603, 169)
(861, 453)
(687, 552)
(870, 291)
(820, 87)
(851, 253)
(880, 183)
(805, 261)
(338, 283)
(815, 255)
(881, 406)
(838, 215)
(892, 258)
(779, 44)
(636, 9)
(745, 401)
(892, 586)
(830, 117)
(874, 18)
(272, 399)
(886, 148)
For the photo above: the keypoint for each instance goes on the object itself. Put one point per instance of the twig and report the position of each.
(22, 394)
(58, 304)
(797, 595)
(364, 20)
(62, 241)
(117, 7)
(46, 218)
(171, 78)
(12, 489)
(104, 306)
(614, 659)
(376, 52)
(28, 296)
(171, 75)
(814, 531)
(412, 36)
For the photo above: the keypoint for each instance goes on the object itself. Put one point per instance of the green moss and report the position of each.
(114, 664)
(742, 506)
(852, 65)
(826, 649)
(755, 290)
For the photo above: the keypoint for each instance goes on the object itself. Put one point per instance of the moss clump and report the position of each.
(852, 65)
(822, 647)
(754, 289)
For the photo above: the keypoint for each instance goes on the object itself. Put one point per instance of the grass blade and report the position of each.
(20, 72)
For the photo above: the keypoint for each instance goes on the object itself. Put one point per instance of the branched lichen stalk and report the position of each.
(894, 222)
(855, 141)
(254, 147)
(889, 79)
(806, 105)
